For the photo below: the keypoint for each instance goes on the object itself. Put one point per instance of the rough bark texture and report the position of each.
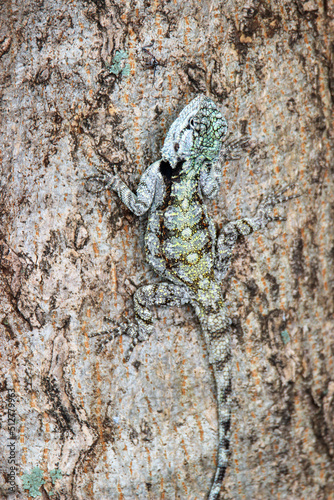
(78, 93)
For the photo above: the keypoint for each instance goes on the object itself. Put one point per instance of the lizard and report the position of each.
(182, 245)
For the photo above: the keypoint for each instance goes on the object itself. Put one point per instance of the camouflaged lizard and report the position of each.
(182, 246)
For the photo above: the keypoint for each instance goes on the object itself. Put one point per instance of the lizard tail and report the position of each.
(217, 338)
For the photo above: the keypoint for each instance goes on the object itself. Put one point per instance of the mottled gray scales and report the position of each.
(182, 246)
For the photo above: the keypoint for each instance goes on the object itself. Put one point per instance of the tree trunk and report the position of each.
(83, 89)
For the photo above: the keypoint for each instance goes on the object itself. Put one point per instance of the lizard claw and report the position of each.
(101, 343)
(276, 197)
(95, 184)
(115, 331)
(126, 328)
(233, 149)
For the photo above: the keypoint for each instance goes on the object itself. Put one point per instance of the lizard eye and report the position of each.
(191, 123)
(176, 146)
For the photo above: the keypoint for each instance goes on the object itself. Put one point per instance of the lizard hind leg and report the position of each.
(139, 330)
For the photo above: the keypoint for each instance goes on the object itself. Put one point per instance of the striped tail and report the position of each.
(216, 331)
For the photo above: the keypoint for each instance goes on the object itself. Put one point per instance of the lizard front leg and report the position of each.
(159, 294)
(140, 202)
(243, 227)
(211, 173)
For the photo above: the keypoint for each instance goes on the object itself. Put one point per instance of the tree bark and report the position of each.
(79, 94)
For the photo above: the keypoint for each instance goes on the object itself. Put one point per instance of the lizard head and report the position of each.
(197, 132)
